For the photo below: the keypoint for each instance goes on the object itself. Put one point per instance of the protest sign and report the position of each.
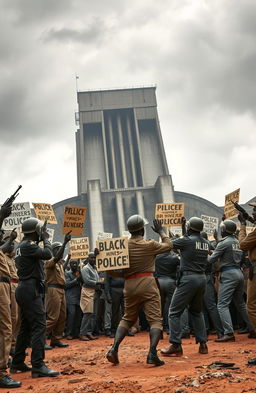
(126, 234)
(79, 247)
(229, 209)
(113, 254)
(176, 231)
(74, 220)
(210, 224)
(169, 214)
(44, 211)
(104, 235)
(20, 212)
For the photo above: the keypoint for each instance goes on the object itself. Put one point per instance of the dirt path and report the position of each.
(85, 369)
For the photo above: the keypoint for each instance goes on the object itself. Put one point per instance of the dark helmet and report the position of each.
(135, 223)
(56, 245)
(196, 224)
(31, 225)
(228, 226)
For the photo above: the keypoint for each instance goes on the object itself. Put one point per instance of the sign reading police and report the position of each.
(79, 248)
(73, 220)
(44, 211)
(104, 235)
(113, 254)
(229, 209)
(20, 212)
(210, 224)
(169, 214)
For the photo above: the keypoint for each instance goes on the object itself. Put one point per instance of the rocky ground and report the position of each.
(84, 368)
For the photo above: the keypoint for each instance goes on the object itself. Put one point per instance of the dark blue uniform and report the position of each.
(191, 287)
(29, 295)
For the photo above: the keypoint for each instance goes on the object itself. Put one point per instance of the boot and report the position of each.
(112, 354)
(203, 349)
(173, 350)
(226, 338)
(152, 358)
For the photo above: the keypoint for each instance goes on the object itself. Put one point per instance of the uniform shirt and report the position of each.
(142, 254)
(227, 251)
(4, 266)
(248, 243)
(12, 267)
(29, 259)
(54, 272)
(194, 252)
(167, 264)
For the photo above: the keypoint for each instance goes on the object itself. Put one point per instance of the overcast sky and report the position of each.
(200, 53)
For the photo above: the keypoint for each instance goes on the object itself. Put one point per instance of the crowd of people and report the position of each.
(184, 286)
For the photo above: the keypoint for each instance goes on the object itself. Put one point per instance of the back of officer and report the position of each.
(232, 280)
(190, 289)
(29, 295)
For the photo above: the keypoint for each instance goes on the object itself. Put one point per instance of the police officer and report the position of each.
(140, 289)
(29, 295)
(248, 243)
(232, 279)
(55, 295)
(5, 315)
(190, 289)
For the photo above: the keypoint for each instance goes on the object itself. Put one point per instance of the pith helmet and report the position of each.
(135, 223)
(196, 224)
(228, 226)
(31, 225)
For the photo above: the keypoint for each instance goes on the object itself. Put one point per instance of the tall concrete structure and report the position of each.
(121, 163)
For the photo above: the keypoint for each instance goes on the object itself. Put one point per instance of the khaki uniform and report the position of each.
(5, 315)
(14, 305)
(248, 243)
(55, 299)
(142, 292)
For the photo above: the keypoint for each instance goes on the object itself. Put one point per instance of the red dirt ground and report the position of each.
(84, 368)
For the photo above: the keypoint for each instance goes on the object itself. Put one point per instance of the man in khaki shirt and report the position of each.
(248, 243)
(5, 315)
(140, 289)
(55, 295)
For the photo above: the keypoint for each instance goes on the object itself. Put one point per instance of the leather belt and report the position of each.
(190, 272)
(137, 275)
(5, 279)
(59, 286)
(14, 280)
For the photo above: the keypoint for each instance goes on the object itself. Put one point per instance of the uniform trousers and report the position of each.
(189, 292)
(33, 323)
(232, 287)
(5, 326)
(167, 287)
(14, 314)
(211, 306)
(141, 292)
(56, 313)
(251, 299)
(104, 312)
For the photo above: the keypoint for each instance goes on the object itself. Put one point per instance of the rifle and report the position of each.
(243, 211)
(11, 199)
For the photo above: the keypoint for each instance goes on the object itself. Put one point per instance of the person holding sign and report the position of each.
(29, 295)
(140, 289)
(55, 295)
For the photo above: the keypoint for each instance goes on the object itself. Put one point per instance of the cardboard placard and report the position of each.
(170, 214)
(74, 220)
(113, 254)
(229, 209)
(20, 213)
(79, 248)
(210, 224)
(44, 211)
(176, 231)
(104, 235)
(126, 234)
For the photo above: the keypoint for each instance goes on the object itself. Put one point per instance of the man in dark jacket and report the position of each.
(73, 294)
